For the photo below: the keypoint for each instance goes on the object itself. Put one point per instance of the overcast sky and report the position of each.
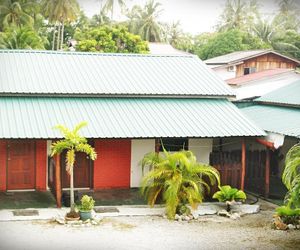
(195, 16)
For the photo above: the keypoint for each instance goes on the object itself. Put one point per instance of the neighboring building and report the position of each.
(165, 49)
(260, 83)
(130, 101)
(278, 113)
(242, 63)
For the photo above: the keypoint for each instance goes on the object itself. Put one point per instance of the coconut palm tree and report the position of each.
(110, 5)
(60, 12)
(150, 29)
(178, 178)
(73, 142)
(13, 13)
(21, 38)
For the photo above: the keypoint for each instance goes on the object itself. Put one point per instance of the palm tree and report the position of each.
(73, 142)
(178, 177)
(110, 4)
(150, 29)
(239, 14)
(13, 13)
(21, 38)
(60, 12)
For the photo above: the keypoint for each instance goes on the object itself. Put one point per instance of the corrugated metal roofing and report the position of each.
(234, 56)
(281, 120)
(46, 72)
(287, 95)
(239, 56)
(26, 117)
(266, 74)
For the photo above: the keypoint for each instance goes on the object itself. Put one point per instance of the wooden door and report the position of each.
(20, 165)
(81, 171)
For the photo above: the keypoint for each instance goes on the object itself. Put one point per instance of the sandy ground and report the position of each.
(150, 232)
(210, 232)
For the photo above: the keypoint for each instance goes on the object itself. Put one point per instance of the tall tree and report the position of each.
(73, 142)
(288, 15)
(21, 38)
(239, 14)
(60, 12)
(111, 4)
(14, 13)
(150, 29)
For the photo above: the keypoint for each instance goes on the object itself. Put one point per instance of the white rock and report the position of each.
(177, 217)
(195, 216)
(60, 221)
(291, 226)
(245, 208)
(235, 216)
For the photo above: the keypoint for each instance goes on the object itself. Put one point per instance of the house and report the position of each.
(278, 113)
(240, 63)
(260, 83)
(164, 49)
(130, 102)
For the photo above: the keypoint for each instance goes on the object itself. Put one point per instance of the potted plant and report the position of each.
(229, 195)
(86, 207)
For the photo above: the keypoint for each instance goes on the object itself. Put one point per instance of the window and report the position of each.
(174, 144)
(250, 70)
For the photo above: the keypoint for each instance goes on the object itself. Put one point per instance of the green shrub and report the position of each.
(289, 215)
(87, 203)
(227, 193)
(177, 178)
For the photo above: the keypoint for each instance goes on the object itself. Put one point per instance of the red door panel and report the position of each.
(112, 166)
(20, 165)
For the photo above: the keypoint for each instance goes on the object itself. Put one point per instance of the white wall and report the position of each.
(201, 148)
(224, 73)
(138, 149)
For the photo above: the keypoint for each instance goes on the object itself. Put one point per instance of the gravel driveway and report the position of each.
(140, 232)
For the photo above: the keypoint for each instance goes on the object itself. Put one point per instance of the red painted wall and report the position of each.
(41, 164)
(112, 166)
(2, 165)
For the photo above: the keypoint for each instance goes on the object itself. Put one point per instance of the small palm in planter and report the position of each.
(229, 195)
(86, 207)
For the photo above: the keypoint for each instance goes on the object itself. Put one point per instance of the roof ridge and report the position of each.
(91, 53)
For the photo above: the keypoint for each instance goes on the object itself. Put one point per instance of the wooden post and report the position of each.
(267, 174)
(243, 170)
(57, 181)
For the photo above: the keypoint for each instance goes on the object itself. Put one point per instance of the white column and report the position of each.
(138, 149)
(201, 148)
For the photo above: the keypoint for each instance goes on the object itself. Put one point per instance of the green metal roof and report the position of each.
(34, 117)
(281, 120)
(286, 96)
(96, 74)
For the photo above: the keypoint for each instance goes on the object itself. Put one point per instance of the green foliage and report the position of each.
(15, 13)
(73, 142)
(289, 215)
(227, 42)
(291, 177)
(227, 193)
(143, 21)
(110, 39)
(21, 38)
(87, 203)
(176, 177)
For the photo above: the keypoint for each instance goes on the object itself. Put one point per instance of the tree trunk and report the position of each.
(62, 35)
(53, 38)
(58, 38)
(72, 203)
